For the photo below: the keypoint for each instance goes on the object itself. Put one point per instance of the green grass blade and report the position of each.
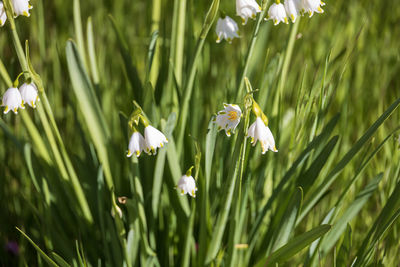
(385, 219)
(343, 256)
(339, 226)
(92, 52)
(90, 107)
(60, 261)
(287, 223)
(312, 200)
(128, 63)
(159, 167)
(41, 253)
(294, 246)
(317, 141)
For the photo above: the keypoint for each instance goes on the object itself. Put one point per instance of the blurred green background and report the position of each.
(346, 60)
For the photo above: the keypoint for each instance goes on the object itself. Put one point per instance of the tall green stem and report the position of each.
(59, 156)
(250, 50)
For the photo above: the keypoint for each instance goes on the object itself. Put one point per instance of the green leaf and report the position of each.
(41, 253)
(60, 261)
(343, 256)
(340, 225)
(133, 75)
(322, 189)
(293, 246)
(159, 167)
(90, 107)
(307, 179)
(287, 223)
(386, 218)
(315, 144)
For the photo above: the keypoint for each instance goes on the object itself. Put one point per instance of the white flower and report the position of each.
(12, 100)
(247, 9)
(311, 6)
(293, 8)
(259, 132)
(154, 139)
(136, 144)
(226, 29)
(187, 185)
(277, 13)
(29, 94)
(228, 118)
(21, 8)
(3, 15)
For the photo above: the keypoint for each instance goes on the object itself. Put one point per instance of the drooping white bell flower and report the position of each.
(12, 100)
(226, 29)
(277, 13)
(258, 131)
(247, 9)
(293, 8)
(3, 15)
(154, 139)
(29, 94)
(311, 6)
(21, 8)
(187, 185)
(228, 118)
(137, 144)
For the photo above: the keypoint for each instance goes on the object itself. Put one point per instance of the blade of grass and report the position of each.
(41, 253)
(321, 190)
(294, 246)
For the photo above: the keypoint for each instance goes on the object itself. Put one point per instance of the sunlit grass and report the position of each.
(329, 86)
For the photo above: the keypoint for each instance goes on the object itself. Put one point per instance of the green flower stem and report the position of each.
(212, 13)
(251, 49)
(38, 142)
(285, 66)
(59, 156)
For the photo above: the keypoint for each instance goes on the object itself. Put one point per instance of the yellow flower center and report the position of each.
(232, 115)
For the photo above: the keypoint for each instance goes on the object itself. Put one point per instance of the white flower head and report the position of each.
(277, 13)
(228, 118)
(21, 8)
(3, 15)
(187, 185)
(226, 29)
(12, 100)
(247, 9)
(293, 8)
(29, 94)
(259, 132)
(311, 6)
(137, 144)
(154, 139)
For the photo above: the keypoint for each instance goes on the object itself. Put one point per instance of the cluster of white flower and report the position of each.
(152, 140)
(228, 119)
(20, 7)
(228, 29)
(14, 98)
(292, 9)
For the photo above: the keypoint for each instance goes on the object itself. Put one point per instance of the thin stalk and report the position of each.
(155, 26)
(285, 66)
(48, 129)
(212, 13)
(38, 142)
(180, 41)
(250, 50)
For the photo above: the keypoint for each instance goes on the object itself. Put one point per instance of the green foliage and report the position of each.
(329, 86)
